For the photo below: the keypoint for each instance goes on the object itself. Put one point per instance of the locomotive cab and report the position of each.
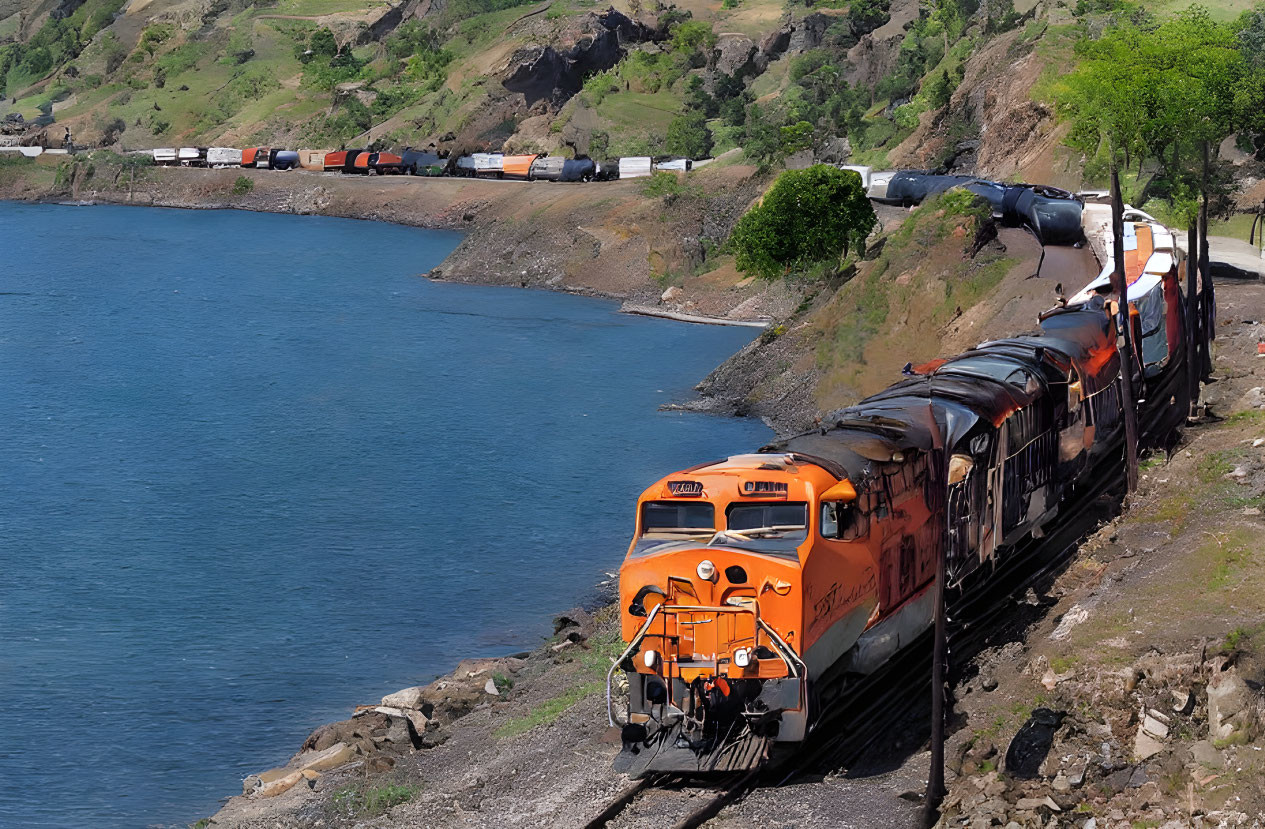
(713, 604)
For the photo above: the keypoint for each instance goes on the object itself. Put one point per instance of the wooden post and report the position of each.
(935, 775)
(1120, 286)
(1207, 300)
(1194, 325)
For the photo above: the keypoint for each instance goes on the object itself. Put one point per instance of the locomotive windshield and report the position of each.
(769, 520)
(677, 517)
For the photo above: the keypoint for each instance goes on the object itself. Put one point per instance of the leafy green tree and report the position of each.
(693, 35)
(808, 216)
(322, 44)
(698, 99)
(688, 136)
(1144, 91)
(762, 139)
(796, 137)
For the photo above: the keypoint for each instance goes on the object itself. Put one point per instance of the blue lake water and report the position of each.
(256, 471)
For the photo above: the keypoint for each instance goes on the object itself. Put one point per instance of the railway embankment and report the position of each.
(1135, 698)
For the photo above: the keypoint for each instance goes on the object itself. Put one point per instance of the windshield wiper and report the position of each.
(747, 535)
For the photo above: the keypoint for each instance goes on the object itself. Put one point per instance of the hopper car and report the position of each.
(758, 588)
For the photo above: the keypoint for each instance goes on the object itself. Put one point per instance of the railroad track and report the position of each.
(870, 707)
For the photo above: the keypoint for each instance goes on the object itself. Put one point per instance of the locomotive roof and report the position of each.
(984, 384)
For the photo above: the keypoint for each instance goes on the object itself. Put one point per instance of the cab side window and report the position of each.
(830, 519)
(843, 522)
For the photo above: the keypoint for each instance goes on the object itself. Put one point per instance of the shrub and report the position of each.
(808, 216)
(688, 136)
(243, 186)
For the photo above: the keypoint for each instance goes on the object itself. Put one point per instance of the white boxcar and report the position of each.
(189, 156)
(636, 166)
(223, 157)
(489, 164)
(675, 165)
(165, 155)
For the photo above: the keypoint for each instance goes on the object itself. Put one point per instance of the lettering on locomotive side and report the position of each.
(838, 598)
(683, 489)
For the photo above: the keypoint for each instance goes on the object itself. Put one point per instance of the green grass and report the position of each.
(1213, 466)
(1225, 553)
(314, 8)
(639, 112)
(548, 711)
(357, 800)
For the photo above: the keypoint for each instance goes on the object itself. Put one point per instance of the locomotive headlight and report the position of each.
(650, 657)
(742, 657)
(706, 570)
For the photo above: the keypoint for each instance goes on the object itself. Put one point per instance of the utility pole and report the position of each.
(1121, 287)
(935, 775)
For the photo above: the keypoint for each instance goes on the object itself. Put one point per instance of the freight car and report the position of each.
(223, 157)
(1053, 215)
(423, 163)
(517, 166)
(283, 159)
(757, 587)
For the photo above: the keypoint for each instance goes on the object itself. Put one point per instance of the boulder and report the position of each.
(331, 758)
(406, 698)
(1145, 746)
(672, 294)
(1231, 708)
(737, 55)
(280, 785)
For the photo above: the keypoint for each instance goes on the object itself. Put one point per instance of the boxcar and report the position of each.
(312, 159)
(675, 165)
(224, 157)
(165, 155)
(384, 164)
(464, 166)
(192, 156)
(634, 166)
(489, 164)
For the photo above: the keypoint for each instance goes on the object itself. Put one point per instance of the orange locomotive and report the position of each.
(757, 584)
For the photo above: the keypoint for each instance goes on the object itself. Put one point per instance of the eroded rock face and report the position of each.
(737, 55)
(594, 43)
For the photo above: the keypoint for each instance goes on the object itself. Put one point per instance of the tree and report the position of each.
(808, 216)
(688, 136)
(1142, 91)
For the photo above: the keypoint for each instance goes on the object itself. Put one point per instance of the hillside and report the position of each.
(876, 81)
